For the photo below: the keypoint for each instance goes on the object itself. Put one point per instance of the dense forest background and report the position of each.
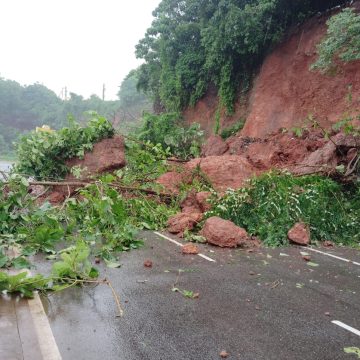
(22, 108)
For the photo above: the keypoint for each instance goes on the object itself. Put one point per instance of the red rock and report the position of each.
(55, 198)
(299, 234)
(172, 181)
(306, 257)
(148, 263)
(106, 155)
(324, 159)
(214, 146)
(328, 243)
(224, 233)
(190, 203)
(224, 354)
(190, 249)
(227, 171)
(177, 224)
(196, 202)
(202, 198)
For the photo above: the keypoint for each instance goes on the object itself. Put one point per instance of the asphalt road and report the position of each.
(261, 305)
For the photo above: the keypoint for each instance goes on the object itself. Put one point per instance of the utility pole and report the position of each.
(103, 92)
(65, 93)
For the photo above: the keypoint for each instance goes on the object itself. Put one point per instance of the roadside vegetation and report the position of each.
(272, 203)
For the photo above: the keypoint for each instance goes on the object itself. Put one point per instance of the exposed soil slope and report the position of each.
(286, 92)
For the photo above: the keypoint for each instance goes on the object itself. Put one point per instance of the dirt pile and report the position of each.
(246, 157)
(314, 152)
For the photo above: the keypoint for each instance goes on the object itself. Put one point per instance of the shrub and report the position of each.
(273, 203)
(43, 154)
(342, 40)
(167, 130)
(232, 130)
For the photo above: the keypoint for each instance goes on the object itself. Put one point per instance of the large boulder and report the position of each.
(106, 155)
(224, 233)
(202, 200)
(227, 171)
(299, 234)
(214, 146)
(322, 160)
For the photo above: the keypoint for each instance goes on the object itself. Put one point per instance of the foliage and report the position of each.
(132, 101)
(273, 203)
(145, 163)
(342, 40)
(22, 283)
(166, 130)
(25, 107)
(192, 44)
(232, 130)
(75, 263)
(217, 121)
(75, 268)
(43, 154)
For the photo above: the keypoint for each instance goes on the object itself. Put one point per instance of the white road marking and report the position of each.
(206, 258)
(167, 238)
(181, 245)
(334, 256)
(47, 343)
(346, 327)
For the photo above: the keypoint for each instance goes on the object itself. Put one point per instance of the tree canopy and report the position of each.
(22, 108)
(194, 43)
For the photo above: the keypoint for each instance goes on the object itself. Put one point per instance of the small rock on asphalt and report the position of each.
(148, 263)
(224, 354)
(190, 249)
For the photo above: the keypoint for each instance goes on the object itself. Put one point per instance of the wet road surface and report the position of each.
(270, 304)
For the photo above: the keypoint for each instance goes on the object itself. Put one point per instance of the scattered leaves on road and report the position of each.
(310, 263)
(352, 350)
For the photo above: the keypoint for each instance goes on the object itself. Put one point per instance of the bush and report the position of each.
(342, 40)
(232, 130)
(273, 203)
(43, 154)
(166, 130)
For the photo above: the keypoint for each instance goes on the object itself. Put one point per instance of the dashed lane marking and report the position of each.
(333, 256)
(181, 245)
(346, 327)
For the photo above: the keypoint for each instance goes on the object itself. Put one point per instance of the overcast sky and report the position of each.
(80, 44)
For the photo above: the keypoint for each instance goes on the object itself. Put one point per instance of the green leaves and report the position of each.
(168, 131)
(75, 264)
(194, 43)
(352, 350)
(43, 154)
(274, 202)
(22, 283)
(342, 40)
